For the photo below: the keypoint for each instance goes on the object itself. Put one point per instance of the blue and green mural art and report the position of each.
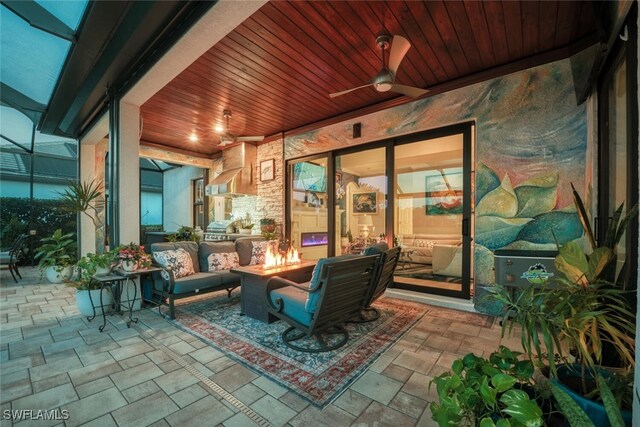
(531, 144)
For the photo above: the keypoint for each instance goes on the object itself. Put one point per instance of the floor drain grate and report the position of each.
(250, 413)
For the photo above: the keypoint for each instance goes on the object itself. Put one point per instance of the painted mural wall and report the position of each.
(531, 144)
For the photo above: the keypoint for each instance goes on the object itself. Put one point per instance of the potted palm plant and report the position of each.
(580, 319)
(91, 299)
(57, 255)
(87, 198)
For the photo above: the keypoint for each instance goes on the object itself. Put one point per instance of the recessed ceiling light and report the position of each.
(193, 137)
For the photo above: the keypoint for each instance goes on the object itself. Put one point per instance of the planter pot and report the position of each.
(84, 302)
(102, 271)
(58, 274)
(245, 231)
(128, 265)
(267, 228)
(594, 410)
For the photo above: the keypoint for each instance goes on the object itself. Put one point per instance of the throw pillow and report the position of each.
(223, 261)
(178, 260)
(259, 249)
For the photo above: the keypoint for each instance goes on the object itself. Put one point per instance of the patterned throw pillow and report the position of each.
(259, 248)
(223, 261)
(179, 260)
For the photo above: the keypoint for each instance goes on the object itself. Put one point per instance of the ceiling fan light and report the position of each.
(383, 87)
(218, 128)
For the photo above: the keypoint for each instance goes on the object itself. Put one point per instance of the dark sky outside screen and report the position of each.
(309, 177)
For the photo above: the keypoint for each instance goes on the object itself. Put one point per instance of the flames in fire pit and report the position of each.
(274, 259)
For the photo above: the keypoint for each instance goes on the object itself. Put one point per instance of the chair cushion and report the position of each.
(178, 260)
(207, 248)
(5, 258)
(228, 278)
(223, 261)
(244, 248)
(313, 297)
(378, 248)
(294, 303)
(190, 247)
(197, 281)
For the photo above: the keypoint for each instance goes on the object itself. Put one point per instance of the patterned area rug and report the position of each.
(319, 377)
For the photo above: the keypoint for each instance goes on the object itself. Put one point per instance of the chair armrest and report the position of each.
(168, 273)
(278, 282)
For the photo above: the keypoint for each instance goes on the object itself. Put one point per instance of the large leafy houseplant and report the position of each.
(487, 392)
(57, 250)
(583, 314)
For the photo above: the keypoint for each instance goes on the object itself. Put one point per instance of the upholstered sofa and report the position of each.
(419, 247)
(171, 284)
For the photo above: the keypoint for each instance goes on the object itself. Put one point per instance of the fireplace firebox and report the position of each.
(314, 239)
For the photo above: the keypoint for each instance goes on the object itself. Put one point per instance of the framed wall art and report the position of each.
(364, 202)
(267, 170)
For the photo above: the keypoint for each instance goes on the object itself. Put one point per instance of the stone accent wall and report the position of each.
(271, 193)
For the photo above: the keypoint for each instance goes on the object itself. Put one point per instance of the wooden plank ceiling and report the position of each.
(275, 71)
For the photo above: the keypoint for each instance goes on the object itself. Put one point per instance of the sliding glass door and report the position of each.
(432, 213)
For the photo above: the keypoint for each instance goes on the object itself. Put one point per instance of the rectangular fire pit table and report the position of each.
(254, 280)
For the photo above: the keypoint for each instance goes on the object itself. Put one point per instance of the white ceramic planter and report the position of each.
(58, 275)
(102, 271)
(128, 265)
(84, 303)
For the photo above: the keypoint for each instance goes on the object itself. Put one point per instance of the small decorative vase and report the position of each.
(245, 231)
(103, 271)
(129, 265)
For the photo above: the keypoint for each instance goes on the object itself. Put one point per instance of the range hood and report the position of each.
(237, 176)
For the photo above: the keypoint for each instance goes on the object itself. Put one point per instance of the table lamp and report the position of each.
(364, 222)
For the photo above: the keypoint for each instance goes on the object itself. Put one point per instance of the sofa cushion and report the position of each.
(259, 249)
(190, 247)
(196, 282)
(207, 248)
(294, 303)
(223, 261)
(228, 278)
(178, 260)
(313, 297)
(244, 247)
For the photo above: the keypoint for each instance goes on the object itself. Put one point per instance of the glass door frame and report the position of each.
(464, 128)
(288, 185)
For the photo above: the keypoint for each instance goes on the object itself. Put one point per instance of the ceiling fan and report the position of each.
(227, 137)
(384, 80)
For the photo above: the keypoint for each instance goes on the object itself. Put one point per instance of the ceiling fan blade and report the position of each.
(399, 48)
(411, 91)
(333, 95)
(249, 138)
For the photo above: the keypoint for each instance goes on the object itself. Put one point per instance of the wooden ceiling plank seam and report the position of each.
(495, 21)
(477, 20)
(513, 28)
(548, 11)
(234, 101)
(530, 12)
(278, 82)
(273, 85)
(307, 26)
(587, 16)
(414, 62)
(250, 50)
(565, 20)
(440, 16)
(464, 32)
(366, 49)
(428, 59)
(438, 47)
(258, 89)
(297, 59)
(311, 60)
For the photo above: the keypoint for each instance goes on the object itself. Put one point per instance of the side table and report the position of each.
(113, 281)
(130, 277)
